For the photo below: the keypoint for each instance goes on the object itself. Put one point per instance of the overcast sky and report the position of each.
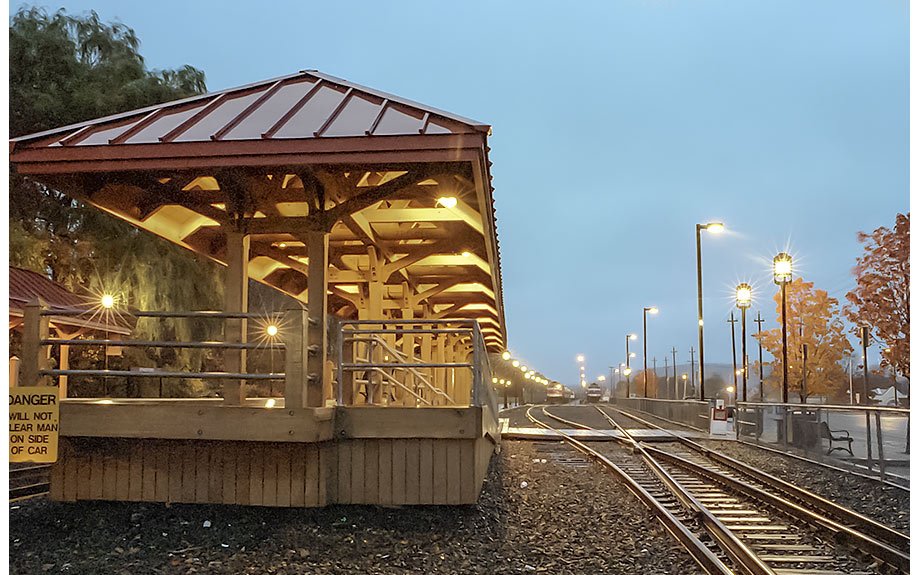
(617, 126)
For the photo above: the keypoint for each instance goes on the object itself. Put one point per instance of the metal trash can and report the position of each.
(804, 429)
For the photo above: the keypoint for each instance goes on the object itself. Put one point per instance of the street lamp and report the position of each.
(782, 275)
(645, 311)
(683, 376)
(506, 355)
(743, 301)
(712, 227)
(628, 337)
(581, 368)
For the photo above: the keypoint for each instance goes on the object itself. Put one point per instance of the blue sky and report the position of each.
(616, 127)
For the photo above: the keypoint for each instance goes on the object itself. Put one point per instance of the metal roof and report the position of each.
(305, 105)
(165, 168)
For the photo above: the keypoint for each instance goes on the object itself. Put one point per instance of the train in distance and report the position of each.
(558, 393)
(594, 393)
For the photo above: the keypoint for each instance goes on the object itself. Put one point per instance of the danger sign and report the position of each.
(34, 424)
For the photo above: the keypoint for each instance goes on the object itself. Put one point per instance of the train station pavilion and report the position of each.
(373, 211)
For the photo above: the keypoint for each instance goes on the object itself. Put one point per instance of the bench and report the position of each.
(828, 433)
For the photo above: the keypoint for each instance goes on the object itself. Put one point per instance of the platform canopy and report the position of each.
(402, 189)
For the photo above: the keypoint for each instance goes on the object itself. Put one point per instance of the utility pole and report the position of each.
(692, 369)
(667, 377)
(804, 372)
(611, 385)
(759, 321)
(865, 346)
(655, 371)
(734, 358)
(674, 363)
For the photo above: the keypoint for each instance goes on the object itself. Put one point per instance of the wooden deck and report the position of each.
(289, 458)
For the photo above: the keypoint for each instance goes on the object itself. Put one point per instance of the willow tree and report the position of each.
(66, 69)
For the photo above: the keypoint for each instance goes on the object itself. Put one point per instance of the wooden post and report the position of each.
(408, 348)
(318, 267)
(65, 364)
(34, 329)
(236, 300)
(375, 312)
(296, 336)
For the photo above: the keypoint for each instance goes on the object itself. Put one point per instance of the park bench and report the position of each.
(828, 433)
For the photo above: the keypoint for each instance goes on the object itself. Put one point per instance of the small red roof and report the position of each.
(26, 286)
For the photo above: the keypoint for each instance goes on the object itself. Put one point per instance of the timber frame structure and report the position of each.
(364, 206)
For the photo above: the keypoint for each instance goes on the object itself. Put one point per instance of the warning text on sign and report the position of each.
(34, 424)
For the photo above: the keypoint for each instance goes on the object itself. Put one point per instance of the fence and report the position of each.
(874, 439)
(689, 412)
(412, 363)
(35, 365)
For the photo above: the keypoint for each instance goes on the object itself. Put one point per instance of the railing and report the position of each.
(35, 368)
(689, 412)
(412, 363)
(874, 439)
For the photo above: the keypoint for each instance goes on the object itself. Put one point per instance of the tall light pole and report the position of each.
(759, 321)
(732, 321)
(645, 311)
(628, 337)
(581, 368)
(782, 275)
(713, 227)
(743, 301)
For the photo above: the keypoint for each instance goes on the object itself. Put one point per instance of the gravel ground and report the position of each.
(517, 416)
(583, 414)
(563, 521)
(885, 504)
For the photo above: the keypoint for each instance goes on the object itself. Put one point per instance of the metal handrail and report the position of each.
(828, 406)
(179, 344)
(176, 374)
(161, 314)
(404, 365)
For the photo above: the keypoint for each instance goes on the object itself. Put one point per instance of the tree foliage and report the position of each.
(812, 318)
(65, 69)
(881, 299)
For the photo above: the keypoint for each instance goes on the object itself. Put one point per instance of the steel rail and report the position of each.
(743, 556)
(23, 492)
(810, 499)
(700, 553)
(877, 549)
(766, 448)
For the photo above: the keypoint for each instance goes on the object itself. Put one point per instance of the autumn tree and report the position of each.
(811, 319)
(881, 299)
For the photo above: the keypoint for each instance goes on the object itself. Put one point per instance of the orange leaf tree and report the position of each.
(881, 299)
(812, 319)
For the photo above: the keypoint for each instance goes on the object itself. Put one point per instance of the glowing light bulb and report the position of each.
(108, 302)
(448, 202)
(272, 330)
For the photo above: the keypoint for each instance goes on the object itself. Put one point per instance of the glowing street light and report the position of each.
(506, 355)
(743, 301)
(782, 275)
(515, 363)
(714, 228)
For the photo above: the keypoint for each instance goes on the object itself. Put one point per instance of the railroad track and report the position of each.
(29, 482)
(749, 522)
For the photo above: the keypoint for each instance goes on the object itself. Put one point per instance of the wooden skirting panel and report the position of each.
(277, 474)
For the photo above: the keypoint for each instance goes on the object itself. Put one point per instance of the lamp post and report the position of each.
(782, 275)
(645, 311)
(759, 322)
(581, 368)
(628, 337)
(743, 301)
(683, 376)
(713, 227)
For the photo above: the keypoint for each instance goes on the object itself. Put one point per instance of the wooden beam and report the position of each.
(236, 300)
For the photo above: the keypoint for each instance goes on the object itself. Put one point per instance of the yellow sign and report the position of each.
(34, 424)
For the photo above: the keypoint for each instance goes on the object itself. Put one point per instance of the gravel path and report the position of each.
(885, 504)
(559, 523)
